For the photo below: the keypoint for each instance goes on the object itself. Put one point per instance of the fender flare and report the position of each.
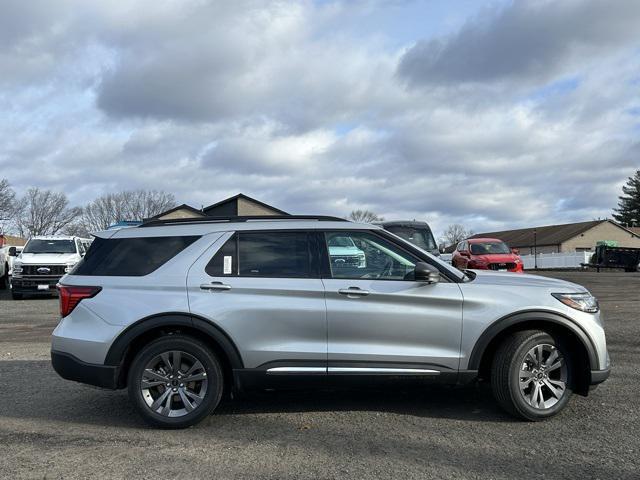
(120, 346)
(510, 320)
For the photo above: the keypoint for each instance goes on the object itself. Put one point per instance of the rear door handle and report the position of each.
(353, 292)
(215, 286)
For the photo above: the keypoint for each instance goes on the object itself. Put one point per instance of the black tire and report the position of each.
(510, 357)
(16, 296)
(192, 347)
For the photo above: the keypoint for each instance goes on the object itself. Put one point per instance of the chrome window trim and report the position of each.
(384, 371)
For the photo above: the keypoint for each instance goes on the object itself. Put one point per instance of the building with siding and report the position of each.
(570, 237)
(12, 241)
(238, 205)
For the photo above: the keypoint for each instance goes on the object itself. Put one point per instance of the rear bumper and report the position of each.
(71, 368)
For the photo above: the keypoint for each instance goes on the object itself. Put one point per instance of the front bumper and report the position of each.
(30, 285)
(599, 376)
(518, 268)
(71, 368)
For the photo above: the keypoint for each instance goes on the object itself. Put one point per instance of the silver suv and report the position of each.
(181, 311)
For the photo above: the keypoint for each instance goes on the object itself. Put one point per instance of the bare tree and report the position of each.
(128, 205)
(364, 216)
(7, 203)
(454, 234)
(44, 212)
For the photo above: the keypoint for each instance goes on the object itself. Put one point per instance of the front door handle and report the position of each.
(215, 286)
(353, 292)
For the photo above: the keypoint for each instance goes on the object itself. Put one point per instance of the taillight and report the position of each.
(70, 296)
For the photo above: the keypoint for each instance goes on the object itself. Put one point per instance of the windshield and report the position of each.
(487, 248)
(50, 246)
(419, 236)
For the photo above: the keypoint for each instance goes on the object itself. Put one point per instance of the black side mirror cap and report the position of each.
(427, 273)
(13, 252)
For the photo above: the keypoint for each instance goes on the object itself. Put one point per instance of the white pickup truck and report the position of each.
(43, 261)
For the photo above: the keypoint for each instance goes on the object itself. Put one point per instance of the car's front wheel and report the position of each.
(531, 375)
(175, 382)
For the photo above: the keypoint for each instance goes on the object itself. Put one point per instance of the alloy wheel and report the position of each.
(543, 376)
(174, 383)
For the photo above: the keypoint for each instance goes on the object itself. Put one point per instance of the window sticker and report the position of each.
(226, 269)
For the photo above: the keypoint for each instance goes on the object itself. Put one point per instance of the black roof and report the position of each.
(402, 223)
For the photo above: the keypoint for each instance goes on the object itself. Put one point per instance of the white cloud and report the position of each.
(284, 102)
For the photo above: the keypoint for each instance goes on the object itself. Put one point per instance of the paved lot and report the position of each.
(51, 428)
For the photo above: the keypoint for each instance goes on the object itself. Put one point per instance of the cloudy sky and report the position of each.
(491, 114)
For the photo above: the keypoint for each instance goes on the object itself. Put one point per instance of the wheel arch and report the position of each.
(557, 324)
(133, 338)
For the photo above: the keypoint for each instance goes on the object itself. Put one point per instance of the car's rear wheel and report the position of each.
(175, 382)
(531, 375)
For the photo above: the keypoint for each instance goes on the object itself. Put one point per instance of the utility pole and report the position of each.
(535, 249)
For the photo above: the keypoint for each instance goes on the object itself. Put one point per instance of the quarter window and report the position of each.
(362, 255)
(130, 257)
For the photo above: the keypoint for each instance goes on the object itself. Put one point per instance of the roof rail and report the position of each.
(235, 219)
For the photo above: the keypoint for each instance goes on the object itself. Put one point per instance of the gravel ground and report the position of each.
(52, 428)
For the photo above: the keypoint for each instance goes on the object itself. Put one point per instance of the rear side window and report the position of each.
(225, 262)
(263, 254)
(130, 257)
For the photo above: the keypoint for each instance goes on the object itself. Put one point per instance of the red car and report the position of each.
(486, 254)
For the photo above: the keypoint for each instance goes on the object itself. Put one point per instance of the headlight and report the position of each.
(17, 268)
(584, 302)
(69, 267)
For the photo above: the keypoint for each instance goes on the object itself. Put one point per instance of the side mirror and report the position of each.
(465, 253)
(13, 252)
(426, 273)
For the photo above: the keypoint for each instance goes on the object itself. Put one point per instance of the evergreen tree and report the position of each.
(628, 211)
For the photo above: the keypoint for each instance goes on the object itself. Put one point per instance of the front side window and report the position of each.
(362, 255)
(263, 254)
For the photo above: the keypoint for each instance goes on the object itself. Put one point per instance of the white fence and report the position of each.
(556, 260)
